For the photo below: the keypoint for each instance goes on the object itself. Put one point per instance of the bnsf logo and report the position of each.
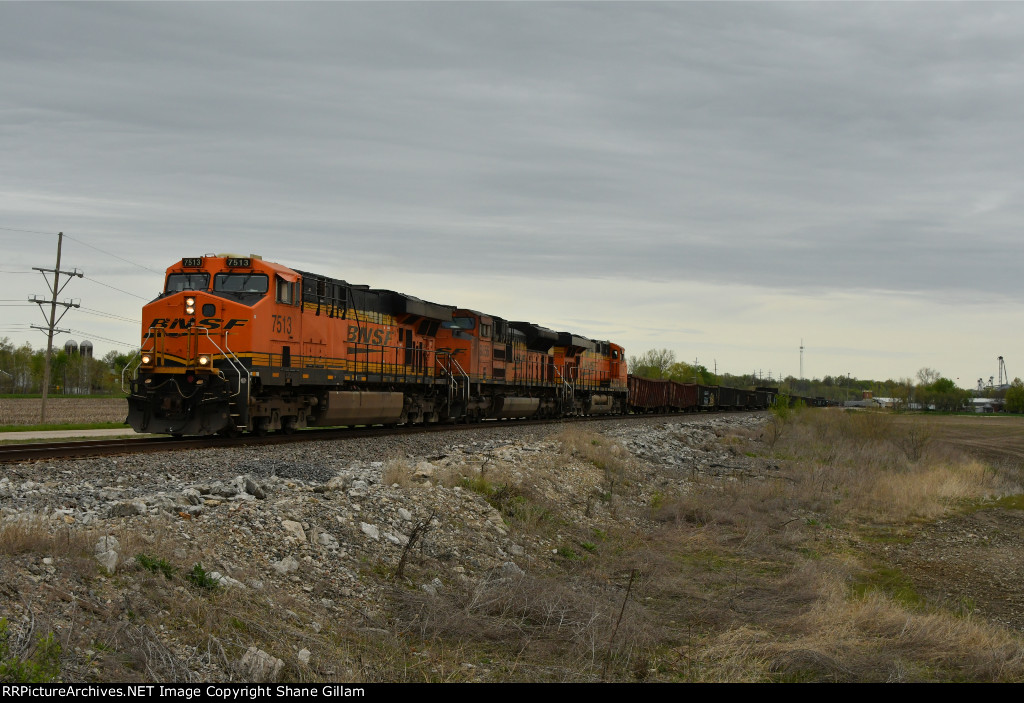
(365, 336)
(210, 323)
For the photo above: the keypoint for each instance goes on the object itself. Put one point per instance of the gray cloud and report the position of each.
(790, 146)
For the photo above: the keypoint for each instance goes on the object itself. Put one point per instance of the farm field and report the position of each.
(996, 438)
(62, 411)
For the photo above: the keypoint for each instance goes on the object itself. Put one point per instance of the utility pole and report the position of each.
(51, 327)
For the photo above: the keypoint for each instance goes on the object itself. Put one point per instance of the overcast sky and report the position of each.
(719, 179)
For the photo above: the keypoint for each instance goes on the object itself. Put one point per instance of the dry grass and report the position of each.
(765, 566)
(875, 638)
(864, 465)
(552, 629)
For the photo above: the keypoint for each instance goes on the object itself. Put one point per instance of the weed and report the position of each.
(657, 500)
(155, 565)
(568, 553)
(200, 578)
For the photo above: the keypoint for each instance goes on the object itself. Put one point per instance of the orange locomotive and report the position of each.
(238, 344)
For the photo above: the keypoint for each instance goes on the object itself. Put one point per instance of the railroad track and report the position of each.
(45, 451)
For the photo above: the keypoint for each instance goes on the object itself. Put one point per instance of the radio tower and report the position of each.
(1004, 378)
(801, 359)
(51, 327)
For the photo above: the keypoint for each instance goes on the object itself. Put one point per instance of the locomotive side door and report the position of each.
(485, 358)
(314, 327)
(285, 321)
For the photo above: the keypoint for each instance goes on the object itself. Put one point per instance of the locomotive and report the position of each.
(238, 344)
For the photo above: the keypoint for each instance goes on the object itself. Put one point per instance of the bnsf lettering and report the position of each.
(367, 336)
(210, 323)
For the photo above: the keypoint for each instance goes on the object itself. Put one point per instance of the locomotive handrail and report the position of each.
(132, 358)
(465, 389)
(239, 367)
(567, 389)
(454, 382)
(124, 371)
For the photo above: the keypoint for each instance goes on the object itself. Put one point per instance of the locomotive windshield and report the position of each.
(177, 282)
(459, 323)
(240, 283)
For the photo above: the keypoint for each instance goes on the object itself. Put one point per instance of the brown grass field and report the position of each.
(61, 410)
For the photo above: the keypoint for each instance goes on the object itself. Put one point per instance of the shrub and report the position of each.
(42, 666)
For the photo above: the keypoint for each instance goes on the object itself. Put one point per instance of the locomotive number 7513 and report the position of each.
(282, 323)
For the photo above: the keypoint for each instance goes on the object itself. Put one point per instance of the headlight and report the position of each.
(190, 301)
(190, 306)
(204, 360)
(146, 359)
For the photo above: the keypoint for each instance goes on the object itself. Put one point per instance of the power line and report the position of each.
(103, 339)
(141, 266)
(111, 315)
(84, 243)
(29, 231)
(119, 290)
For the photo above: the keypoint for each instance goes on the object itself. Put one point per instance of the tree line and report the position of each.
(21, 371)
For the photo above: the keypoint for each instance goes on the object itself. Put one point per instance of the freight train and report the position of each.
(238, 344)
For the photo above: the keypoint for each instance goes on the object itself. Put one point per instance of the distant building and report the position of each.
(987, 405)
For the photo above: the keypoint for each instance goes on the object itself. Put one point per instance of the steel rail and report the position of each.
(46, 451)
